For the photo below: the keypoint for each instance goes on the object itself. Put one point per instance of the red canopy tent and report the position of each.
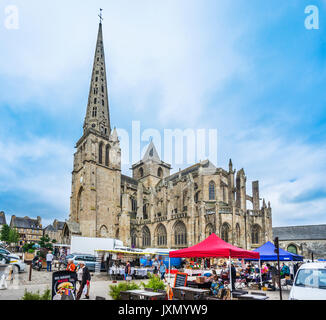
(214, 247)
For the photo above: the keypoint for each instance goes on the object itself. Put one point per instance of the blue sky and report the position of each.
(249, 69)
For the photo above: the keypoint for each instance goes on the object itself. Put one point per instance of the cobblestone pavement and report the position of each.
(41, 280)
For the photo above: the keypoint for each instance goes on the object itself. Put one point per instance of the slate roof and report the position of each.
(128, 180)
(310, 232)
(60, 225)
(49, 228)
(2, 218)
(26, 223)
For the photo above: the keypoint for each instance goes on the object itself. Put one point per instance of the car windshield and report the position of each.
(311, 278)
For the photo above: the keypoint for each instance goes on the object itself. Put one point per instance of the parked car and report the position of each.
(18, 264)
(8, 253)
(309, 282)
(90, 260)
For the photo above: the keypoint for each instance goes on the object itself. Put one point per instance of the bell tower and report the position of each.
(96, 175)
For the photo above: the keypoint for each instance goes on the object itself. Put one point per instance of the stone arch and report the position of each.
(225, 232)
(104, 232)
(209, 230)
(146, 237)
(255, 234)
(293, 248)
(161, 235)
(180, 234)
(160, 172)
(141, 172)
(100, 153)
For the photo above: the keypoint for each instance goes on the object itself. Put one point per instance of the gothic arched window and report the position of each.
(141, 172)
(255, 234)
(160, 172)
(225, 232)
(209, 230)
(103, 231)
(107, 154)
(100, 153)
(146, 237)
(161, 235)
(292, 248)
(212, 190)
(94, 112)
(180, 234)
(133, 205)
(197, 196)
(145, 211)
(133, 236)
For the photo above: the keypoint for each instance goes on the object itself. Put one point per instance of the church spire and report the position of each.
(97, 114)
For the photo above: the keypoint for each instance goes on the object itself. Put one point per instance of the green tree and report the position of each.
(45, 242)
(13, 236)
(4, 236)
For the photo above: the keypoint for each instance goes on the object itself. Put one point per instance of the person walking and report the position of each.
(85, 280)
(162, 270)
(127, 271)
(49, 259)
(155, 266)
(71, 266)
(233, 276)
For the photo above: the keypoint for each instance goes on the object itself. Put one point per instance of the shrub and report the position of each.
(37, 296)
(123, 286)
(154, 283)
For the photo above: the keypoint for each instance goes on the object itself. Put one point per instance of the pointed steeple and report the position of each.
(151, 153)
(97, 114)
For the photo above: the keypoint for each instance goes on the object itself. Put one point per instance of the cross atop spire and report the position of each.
(97, 114)
(100, 15)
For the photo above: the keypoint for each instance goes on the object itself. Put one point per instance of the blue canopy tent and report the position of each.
(267, 253)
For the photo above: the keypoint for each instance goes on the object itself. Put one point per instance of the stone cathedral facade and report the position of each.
(155, 208)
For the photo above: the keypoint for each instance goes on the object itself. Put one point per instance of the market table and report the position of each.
(187, 293)
(251, 297)
(143, 295)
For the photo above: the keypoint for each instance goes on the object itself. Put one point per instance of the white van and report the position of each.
(310, 282)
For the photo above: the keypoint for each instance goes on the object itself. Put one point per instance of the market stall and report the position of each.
(214, 247)
(116, 260)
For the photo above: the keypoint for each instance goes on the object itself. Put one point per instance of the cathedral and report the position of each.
(155, 208)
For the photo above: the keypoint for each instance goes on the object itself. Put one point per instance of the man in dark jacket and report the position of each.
(233, 276)
(85, 281)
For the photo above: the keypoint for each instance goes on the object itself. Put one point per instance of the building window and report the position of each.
(102, 102)
(107, 154)
(141, 172)
(209, 230)
(161, 236)
(95, 100)
(180, 234)
(133, 239)
(197, 197)
(102, 88)
(146, 237)
(292, 248)
(94, 113)
(225, 232)
(133, 205)
(96, 79)
(212, 190)
(145, 211)
(160, 172)
(255, 234)
(100, 153)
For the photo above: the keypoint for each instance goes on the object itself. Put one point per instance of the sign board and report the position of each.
(180, 280)
(64, 282)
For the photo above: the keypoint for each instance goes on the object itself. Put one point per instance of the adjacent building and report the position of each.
(155, 208)
(2, 219)
(30, 230)
(307, 240)
(54, 230)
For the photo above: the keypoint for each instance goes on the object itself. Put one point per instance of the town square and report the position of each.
(165, 151)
